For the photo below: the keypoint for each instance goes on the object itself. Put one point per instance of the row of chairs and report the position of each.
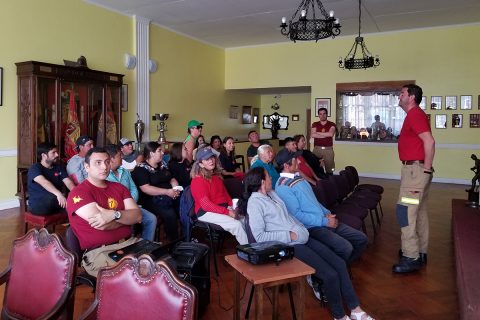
(349, 201)
(40, 281)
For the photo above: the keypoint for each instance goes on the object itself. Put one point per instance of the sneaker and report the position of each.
(315, 288)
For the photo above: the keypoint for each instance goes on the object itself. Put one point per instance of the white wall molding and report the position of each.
(9, 203)
(8, 153)
(142, 28)
(397, 177)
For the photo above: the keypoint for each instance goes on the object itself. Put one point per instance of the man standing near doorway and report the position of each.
(323, 132)
(416, 149)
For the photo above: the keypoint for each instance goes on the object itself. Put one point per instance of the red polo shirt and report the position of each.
(410, 146)
(323, 142)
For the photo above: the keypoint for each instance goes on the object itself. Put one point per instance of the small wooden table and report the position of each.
(269, 275)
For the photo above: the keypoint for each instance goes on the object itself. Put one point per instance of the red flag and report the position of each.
(72, 131)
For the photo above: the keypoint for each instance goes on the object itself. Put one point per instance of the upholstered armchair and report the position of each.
(139, 288)
(39, 278)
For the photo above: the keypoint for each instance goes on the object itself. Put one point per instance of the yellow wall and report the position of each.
(189, 82)
(444, 61)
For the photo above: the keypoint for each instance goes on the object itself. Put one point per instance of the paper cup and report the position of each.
(179, 188)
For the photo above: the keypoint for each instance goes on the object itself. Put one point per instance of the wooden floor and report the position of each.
(428, 294)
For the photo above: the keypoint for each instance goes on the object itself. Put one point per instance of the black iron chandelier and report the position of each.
(354, 61)
(310, 23)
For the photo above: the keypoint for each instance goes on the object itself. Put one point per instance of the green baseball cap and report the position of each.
(194, 123)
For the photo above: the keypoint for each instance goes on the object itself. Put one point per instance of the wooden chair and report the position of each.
(139, 288)
(39, 278)
(29, 218)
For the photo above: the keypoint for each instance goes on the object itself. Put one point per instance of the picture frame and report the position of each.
(440, 121)
(436, 103)
(478, 102)
(457, 120)
(246, 115)
(323, 103)
(295, 117)
(475, 120)
(466, 102)
(233, 112)
(1, 86)
(256, 113)
(124, 97)
(423, 104)
(451, 103)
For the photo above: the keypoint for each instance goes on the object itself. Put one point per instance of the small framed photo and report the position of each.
(295, 117)
(440, 121)
(457, 120)
(475, 120)
(233, 112)
(436, 103)
(246, 115)
(125, 97)
(466, 102)
(323, 103)
(478, 101)
(451, 103)
(423, 104)
(256, 113)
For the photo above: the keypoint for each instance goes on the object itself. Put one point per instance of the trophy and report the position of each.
(161, 127)
(139, 129)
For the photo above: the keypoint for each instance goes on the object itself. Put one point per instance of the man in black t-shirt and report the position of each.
(46, 182)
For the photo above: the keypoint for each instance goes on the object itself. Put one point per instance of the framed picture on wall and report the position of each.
(256, 113)
(436, 103)
(423, 104)
(440, 121)
(233, 112)
(1, 86)
(475, 120)
(246, 115)
(466, 102)
(457, 120)
(295, 117)
(450, 102)
(323, 103)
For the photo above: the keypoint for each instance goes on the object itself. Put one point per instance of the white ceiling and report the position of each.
(235, 23)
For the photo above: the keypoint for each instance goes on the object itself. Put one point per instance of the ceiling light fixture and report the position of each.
(312, 23)
(366, 60)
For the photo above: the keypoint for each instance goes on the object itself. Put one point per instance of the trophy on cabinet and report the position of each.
(473, 193)
(139, 129)
(161, 127)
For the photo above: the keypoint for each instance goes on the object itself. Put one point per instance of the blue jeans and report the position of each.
(345, 241)
(149, 224)
(332, 270)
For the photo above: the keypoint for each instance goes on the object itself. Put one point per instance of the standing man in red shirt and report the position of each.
(416, 149)
(323, 132)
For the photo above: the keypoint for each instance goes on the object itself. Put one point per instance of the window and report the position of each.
(369, 111)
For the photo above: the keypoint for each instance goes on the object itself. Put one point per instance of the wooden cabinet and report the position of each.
(57, 104)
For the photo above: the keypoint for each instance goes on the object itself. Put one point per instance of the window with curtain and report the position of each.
(373, 116)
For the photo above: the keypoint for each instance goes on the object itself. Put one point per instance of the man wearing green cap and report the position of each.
(194, 131)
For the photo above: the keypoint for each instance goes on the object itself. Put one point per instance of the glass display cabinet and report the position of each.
(58, 104)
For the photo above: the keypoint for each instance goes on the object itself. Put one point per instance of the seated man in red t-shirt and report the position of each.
(101, 212)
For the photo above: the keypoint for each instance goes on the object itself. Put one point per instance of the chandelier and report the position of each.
(354, 61)
(311, 23)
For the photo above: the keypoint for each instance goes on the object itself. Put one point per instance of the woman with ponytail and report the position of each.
(268, 220)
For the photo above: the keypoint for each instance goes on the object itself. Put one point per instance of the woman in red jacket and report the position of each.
(213, 204)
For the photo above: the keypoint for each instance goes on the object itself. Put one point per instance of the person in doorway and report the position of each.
(323, 132)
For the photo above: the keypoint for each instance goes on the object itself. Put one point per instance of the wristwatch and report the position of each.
(117, 214)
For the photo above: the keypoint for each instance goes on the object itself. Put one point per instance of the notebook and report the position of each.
(136, 249)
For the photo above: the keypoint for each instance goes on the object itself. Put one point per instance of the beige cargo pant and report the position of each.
(328, 157)
(411, 210)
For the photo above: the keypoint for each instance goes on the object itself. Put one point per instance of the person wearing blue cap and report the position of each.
(194, 129)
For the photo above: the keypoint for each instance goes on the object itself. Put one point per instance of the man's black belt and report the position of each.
(410, 162)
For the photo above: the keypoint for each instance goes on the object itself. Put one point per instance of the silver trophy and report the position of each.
(139, 129)
(161, 127)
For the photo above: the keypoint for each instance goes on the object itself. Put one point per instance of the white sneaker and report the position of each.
(316, 290)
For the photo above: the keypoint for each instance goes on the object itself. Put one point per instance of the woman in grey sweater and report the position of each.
(267, 219)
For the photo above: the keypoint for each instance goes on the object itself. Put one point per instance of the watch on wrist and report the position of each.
(117, 214)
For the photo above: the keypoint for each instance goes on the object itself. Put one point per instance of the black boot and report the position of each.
(423, 256)
(406, 265)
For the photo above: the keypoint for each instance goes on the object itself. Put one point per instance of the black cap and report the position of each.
(82, 140)
(283, 156)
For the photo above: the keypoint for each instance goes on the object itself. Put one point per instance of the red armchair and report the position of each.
(139, 288)
(39, 278)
